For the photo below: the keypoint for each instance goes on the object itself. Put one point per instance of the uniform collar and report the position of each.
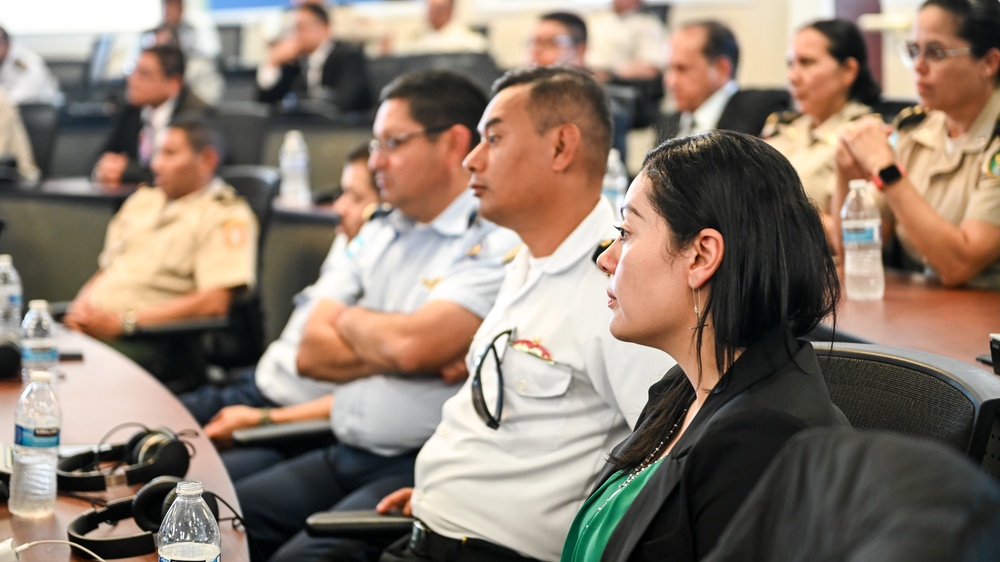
(828, 131)
(453, 221)
(581, 242)
(931, 132)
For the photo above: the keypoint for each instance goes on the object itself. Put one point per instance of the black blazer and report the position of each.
(764, 399)
(746, 112)
(345, 79)
(124, 137)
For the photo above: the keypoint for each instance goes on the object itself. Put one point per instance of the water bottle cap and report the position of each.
(40, 376)
(38, 304)
(189, 488)
(5, 259)
(857, 184)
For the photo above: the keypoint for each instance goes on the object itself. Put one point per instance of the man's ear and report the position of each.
(208, 161)
(457, 139)
(708, 247)
(566, 144)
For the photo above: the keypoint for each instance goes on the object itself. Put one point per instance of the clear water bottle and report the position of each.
(862, 230)
(36, 445)
(10, 299)
(189, 531)
(294, 163)
(38, 343)
(615, 181)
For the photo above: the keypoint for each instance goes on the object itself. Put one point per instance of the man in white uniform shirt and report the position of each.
(393, 319)
(504, 481)
(24, 76)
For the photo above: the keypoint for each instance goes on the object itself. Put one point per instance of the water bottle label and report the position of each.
(14, 299)
(47, 354)
(862, 235)
(36, 437)
(162, 559)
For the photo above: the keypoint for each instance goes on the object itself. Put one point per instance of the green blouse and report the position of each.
(600, 514)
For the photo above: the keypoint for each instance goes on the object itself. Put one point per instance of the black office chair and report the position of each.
(833, 494)
(41, 120)
(242, 125)
(917, 394)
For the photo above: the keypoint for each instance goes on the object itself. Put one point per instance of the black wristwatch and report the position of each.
(887, 176)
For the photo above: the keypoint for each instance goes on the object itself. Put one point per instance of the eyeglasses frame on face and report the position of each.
(478, 397)
(562, 41)
(911, 50)
(392, 143)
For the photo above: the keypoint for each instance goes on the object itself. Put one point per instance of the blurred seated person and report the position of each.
(309, 63)
(941, 180)
(273, 392)
(16, 159)
(156, 95)
(627, 43)
(197, 36)
(179, 249)
(701, 79)
(694, 238)
(24, 76)
(560, 39)
(831, 85)
(442, 34)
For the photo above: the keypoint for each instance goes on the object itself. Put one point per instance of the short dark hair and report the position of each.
(573, 23)
(439, 99)
(776, 273)
(199, 134)
(845, 42)
(978, 23)
(719, 42)
(360, 154)
(319, 12)
(171, 59)
(560, 95)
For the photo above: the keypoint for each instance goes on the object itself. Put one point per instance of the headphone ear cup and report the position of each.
(148, 445)
(147, 505)
(132, 446)
(172, 458)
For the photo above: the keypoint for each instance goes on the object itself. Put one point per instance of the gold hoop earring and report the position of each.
(696, 297)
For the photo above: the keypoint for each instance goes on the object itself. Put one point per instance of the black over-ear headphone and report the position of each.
(148, 507)
(148, 454)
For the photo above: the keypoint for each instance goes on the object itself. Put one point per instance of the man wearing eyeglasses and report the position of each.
(558, 38)
(551, 391)
(393, 319)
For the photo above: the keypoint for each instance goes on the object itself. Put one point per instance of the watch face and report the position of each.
(890, 175)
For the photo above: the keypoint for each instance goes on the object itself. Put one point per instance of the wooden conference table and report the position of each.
(920, 314)
(96, 394)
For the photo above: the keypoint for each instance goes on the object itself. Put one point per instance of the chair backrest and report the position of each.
(77, 144)
(478, 67)
(242, 342)
(329, 144)
(242, 125)
(918, 394)
(41, 120)
(834, 494)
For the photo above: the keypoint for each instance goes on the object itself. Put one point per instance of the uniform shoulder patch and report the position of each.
(512, 254)
(909, 118)
(776, 120)
(603, 245)
(378, 211)
(991, 166)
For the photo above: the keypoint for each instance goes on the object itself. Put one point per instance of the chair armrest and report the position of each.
(363, 524)
(315, 433)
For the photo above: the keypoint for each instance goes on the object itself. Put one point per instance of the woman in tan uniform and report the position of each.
(942, 180)
(831, 85)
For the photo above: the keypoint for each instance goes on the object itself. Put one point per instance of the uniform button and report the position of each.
(522, 385)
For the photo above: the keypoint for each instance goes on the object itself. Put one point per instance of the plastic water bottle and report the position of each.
(615, 181)
(11, 294)
(38, 344)
(294, 163)
(862, 230)
(36, 444)
(189, 531)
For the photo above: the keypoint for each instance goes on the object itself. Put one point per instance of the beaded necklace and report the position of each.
(646, 463)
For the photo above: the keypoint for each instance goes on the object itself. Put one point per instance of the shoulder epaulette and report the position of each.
(777, 119)
(603, 245)
(512, 254)
(909, 117)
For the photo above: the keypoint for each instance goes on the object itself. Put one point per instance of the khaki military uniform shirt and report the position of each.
(157, 250)
(962, 185)
(14, 141)
(811, 150)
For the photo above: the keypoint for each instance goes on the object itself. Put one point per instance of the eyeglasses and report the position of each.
(492, 419)
(932, 52)
(560, 41)
(392, 143)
